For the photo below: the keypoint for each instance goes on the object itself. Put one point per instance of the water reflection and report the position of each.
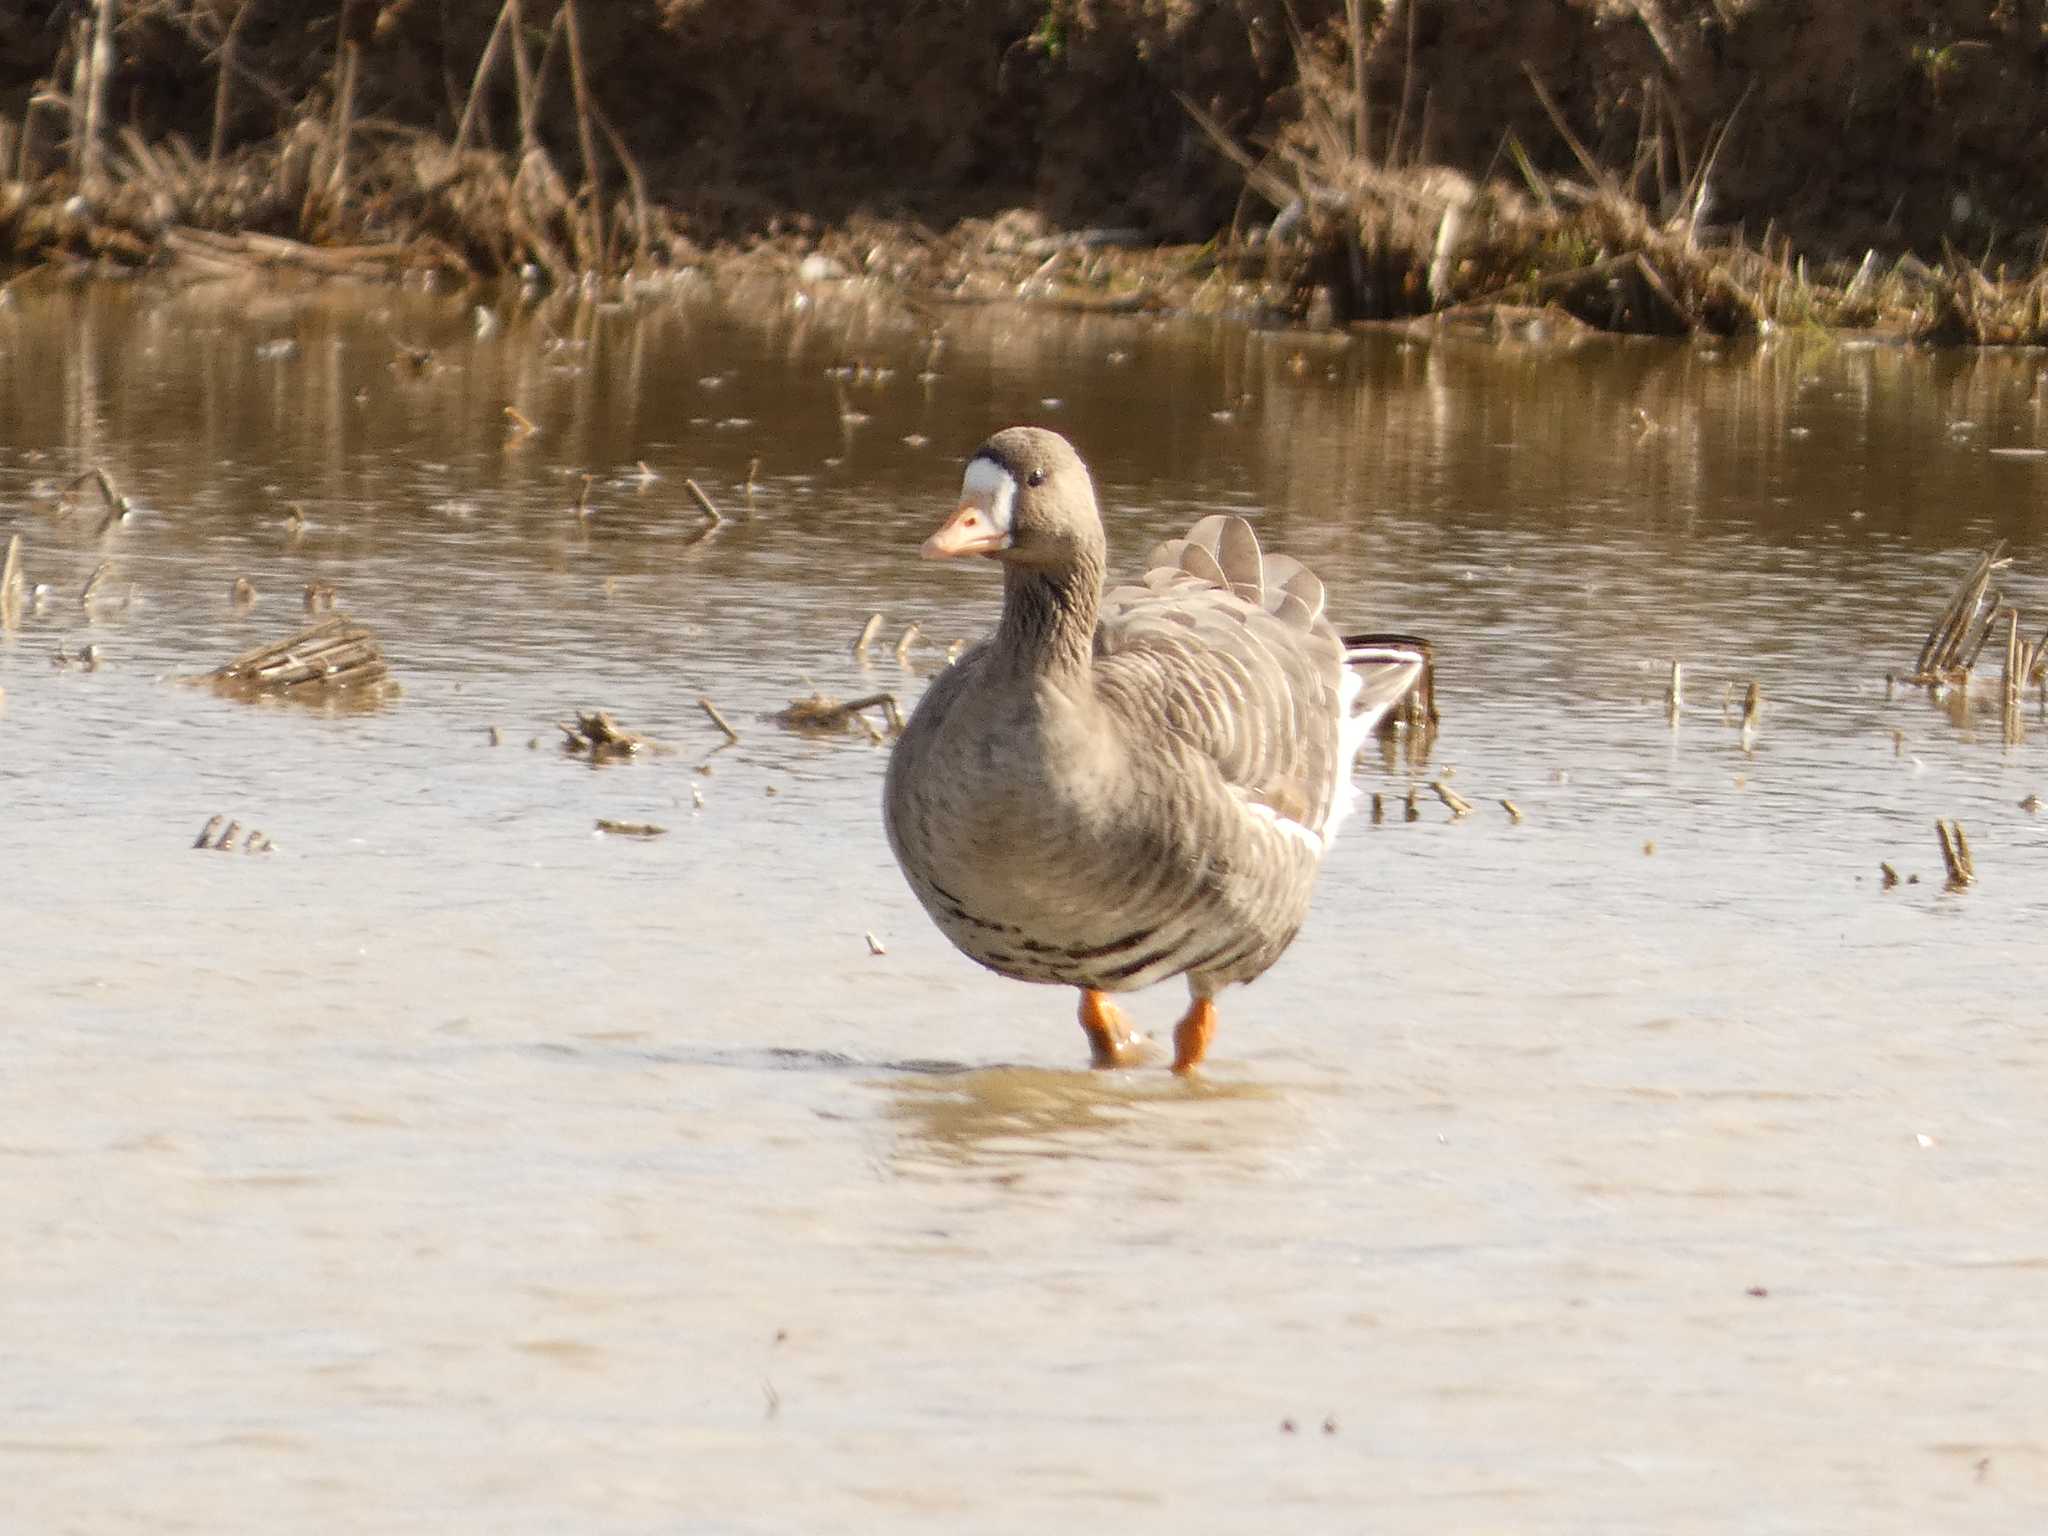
(1004, 1118)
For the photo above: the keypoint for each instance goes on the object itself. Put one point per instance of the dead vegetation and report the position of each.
(1973, 617)
(1364, 233)
(330, 192)
(224, 836)
(335, 656)
(546, 139)
(594, 734)
(822, 715)
(640, 829)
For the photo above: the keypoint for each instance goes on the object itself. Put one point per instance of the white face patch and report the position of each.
(989, 486)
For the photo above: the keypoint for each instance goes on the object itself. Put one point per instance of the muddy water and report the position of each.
(1642, 1166)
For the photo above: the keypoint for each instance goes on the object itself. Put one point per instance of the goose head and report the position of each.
(1027, 501)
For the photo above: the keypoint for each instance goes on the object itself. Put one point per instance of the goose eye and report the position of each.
(1036, 477)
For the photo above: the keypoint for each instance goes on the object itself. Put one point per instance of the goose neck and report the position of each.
(1048, 624)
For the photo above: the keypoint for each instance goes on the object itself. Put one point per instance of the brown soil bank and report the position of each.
(626, 131)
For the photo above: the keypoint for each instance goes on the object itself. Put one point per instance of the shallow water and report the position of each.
(1642, 1166)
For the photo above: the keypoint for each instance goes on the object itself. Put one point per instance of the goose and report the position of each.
(1119, 788)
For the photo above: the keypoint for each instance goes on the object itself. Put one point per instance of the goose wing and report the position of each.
(1226, 649)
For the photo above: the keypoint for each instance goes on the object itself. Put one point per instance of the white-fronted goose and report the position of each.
(1118, 789)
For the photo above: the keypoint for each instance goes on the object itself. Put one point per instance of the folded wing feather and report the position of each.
(1231, 648)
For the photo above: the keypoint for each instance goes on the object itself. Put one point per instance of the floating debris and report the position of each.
(703, 502)
(1514, 811)
(11, 585)
(2031, 803)
(243, 593)
(597, 734)
(710, 709)
(91, 588)
(118, 507)
(875, 945)
(823, 715)
(335, 655)
(255, 842)
(1460, 806)
(411, 357)
(1891, 876)
(1955, 853)
(495, 736)
(868, 631)
(630, 828)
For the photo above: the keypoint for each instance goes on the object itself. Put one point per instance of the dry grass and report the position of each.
(333, 193)
(1366, 235)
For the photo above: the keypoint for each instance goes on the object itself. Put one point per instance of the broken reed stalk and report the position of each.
(358, 21)
(1967, 662)
(703, 502)
(1955, 853)
(1945, 642)
(1361, 98)
(819, 713)
(99, 574)
(868, 631)
(2018, 662)
(910, 633)
(506, 14)
(586, 143)
(336, 653)
(223, 92)
(1752, 707)
(89, 76)
(1459, 805)
(10, 585)
(642, 221)
(719, 720)
(1674, 696)
(523, 76)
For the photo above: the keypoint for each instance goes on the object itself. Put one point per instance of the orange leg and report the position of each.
(1191, 1035)
(1110, 1040)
